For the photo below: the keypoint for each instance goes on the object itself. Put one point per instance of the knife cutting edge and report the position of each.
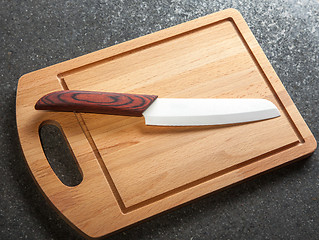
(161, 111)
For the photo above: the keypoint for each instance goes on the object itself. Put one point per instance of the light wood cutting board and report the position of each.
(132, 171)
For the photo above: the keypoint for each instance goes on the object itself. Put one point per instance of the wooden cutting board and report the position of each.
(132, 171)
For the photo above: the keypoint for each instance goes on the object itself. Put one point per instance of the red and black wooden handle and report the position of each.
(96, 102)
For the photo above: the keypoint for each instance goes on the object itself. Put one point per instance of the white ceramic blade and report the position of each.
(199, 112)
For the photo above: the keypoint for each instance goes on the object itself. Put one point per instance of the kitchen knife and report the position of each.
(161, 111)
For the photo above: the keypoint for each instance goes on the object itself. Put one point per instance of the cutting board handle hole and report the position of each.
(59, 153)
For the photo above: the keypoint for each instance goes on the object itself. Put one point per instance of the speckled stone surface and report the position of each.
(283, 204)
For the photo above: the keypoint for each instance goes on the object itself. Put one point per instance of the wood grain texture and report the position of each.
(132, 171)
(96, 102)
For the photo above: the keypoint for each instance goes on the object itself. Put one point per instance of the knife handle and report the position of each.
(96, 102)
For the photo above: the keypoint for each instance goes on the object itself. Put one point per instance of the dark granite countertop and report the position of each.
(283, 204)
